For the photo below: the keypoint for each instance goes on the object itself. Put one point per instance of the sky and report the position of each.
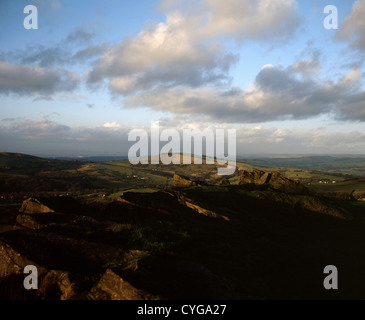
(94, 70)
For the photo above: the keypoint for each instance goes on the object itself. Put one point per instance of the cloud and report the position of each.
(112, 125)
(33, 129)
(307, 67)
(51, 138)
(252, 19)
(277, 140)
(80, 36)
(43, 56)
(271, 20)
(43, 98)
(276, 94)
(76, 48)
(164, 54)
(45, 137)
(30, 80)
(184, 50)
(353, 27)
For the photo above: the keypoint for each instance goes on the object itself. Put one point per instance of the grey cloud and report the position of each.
(45, 57)
(80, 36)
(8, 120)
(90, 52)
(77, 47)
(29, 80)
(30, 129)
(43, 98)
(51, 138)
(277, 94)
(59, 55)
(307, 67)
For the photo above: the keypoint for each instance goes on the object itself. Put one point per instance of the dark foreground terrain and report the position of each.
(219, 242)
(265, 237)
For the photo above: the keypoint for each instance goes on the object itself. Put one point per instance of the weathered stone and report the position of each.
(57, 285)
(13, 262)
(28, 221)
(247, 177)
(113, 287)
(33, 206)
(180, 181)
(284, 184)
(275, 180)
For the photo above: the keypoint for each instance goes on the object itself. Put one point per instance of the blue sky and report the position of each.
(95, 69)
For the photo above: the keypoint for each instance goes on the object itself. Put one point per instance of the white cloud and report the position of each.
(353, 27)
(245, 19)
(184, 50)
(113, 125)
(168, 53)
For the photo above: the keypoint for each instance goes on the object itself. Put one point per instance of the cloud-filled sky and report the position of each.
(93, 70)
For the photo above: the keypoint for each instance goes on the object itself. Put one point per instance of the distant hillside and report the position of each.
(18, 160)
(344, 165)
(25, 173)
(93, 159)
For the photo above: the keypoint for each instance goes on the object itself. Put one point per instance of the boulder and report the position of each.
(180, 181)
(57, 285)
(34, 206)
(28, 221)
(113, 287)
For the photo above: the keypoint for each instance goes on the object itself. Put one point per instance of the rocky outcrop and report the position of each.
(275, 180)
(113, 287)
(224, 182)
(284, 184)
(11, 261)
(34, 206)
(56, 284)
(180, 181)
(170, 203)
(28, 221)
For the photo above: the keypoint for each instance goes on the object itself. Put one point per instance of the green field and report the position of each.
(344, 186)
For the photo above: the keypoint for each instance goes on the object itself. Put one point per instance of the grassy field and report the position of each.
(344, 186)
